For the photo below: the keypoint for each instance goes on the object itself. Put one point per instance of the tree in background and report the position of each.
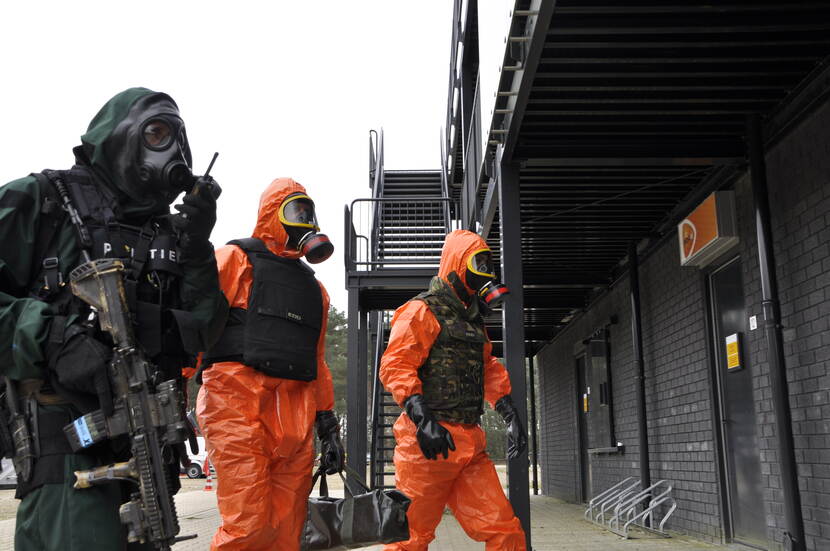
(336, 347)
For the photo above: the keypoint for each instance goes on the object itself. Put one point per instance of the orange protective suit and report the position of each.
(466, 480)
(259, 429)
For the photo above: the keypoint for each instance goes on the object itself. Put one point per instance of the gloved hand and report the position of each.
(516, 435)
(81, 364)
(197, 214)
(432, 437)
(331, 452)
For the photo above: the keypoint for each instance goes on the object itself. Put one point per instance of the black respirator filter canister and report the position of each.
(316, 248)
(493, 293)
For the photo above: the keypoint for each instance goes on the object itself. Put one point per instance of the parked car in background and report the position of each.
(8, 478)
(198, 462)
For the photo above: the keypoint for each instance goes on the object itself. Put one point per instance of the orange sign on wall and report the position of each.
(708, 230)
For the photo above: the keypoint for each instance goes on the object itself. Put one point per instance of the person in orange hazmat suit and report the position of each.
(439, 367)
(268, 384)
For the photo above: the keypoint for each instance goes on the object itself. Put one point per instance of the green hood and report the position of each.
(111, 147)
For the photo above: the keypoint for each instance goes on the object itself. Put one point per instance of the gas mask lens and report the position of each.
(157, 134)
(480, 269)
(482, 264)
(298, 211)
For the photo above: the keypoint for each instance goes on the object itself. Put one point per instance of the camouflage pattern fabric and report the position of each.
(453, 374)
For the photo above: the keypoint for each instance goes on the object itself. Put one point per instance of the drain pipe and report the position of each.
(535, 455)
(637, 344)
(793, 521)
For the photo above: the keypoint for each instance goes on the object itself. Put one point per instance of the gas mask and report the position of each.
(300, 223)
(481, 278)
(147, 155)
(163, 163)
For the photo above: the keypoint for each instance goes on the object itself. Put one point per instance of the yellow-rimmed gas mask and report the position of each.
(481, 278)
(300, 222)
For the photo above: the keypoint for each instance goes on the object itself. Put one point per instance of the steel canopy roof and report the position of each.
(627, 110)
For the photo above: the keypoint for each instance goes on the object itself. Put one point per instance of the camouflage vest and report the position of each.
(453, 374)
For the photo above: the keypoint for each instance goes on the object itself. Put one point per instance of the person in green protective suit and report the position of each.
(132, 164)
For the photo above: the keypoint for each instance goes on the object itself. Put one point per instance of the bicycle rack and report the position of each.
(624, 505)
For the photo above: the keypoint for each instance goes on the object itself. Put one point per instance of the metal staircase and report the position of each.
(413, 218)
(394, 242)
(385, 412)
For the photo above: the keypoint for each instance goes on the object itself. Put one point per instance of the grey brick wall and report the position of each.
(678, 401)
(679, 380)
(798, 170)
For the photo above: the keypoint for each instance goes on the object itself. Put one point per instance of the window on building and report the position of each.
(598, 400)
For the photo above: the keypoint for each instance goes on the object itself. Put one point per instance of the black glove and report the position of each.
(197, 215)
(81, 364)
(432, 437)
(331, 448)
(516, 435)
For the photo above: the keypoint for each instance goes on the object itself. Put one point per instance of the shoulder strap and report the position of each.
(250, 245)
(44, 258)
(253, 245)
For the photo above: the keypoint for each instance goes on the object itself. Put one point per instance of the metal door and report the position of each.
(582, 429)
(745, 500)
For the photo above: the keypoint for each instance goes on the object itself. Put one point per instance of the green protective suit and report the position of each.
(54, 516)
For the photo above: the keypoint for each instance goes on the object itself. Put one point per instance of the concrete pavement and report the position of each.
(557, 526)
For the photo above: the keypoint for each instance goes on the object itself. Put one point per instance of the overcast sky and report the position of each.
(279, 88)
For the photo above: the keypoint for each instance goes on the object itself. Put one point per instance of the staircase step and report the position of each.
(418, 222)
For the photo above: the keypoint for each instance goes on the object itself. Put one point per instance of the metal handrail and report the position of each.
(451, 117)
(349, 234)
(377, 192)
(373, 144)
(445, 188)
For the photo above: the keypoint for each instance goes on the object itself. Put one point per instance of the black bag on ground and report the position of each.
(363, 517)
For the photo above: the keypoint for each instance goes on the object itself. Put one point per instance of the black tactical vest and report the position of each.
(151, 282)
(453, 374)
(278, 333)
(150, 257)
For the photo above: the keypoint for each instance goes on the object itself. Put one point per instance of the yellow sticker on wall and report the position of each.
(733, 352)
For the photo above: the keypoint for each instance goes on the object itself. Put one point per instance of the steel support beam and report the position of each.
(793, 520)
(356, 385)
(513, 323)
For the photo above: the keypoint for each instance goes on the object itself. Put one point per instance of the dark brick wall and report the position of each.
(676, 352)
(799, 178)
(678, 401)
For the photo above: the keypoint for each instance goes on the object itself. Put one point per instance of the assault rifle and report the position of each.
(149, 412)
